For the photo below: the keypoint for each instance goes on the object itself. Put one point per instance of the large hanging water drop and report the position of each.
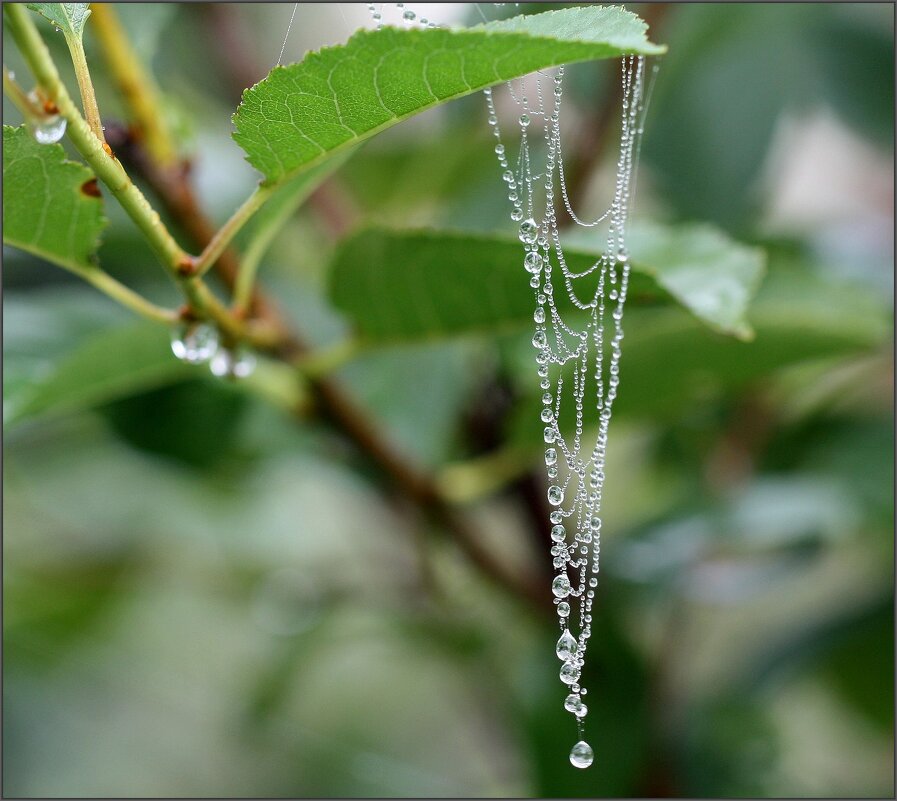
(533, 262)
(561, 586)
(569, 673)
(50, 130)
(194, 343)
(529, 231)
(567, 646)
(581, 755)
(555, 495)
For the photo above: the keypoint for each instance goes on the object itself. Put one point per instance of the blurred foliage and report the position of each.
(205, 595)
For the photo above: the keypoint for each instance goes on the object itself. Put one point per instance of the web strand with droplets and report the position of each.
(570, 339)
(559, 342)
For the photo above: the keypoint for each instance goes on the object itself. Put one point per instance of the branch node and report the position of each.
(186, 267)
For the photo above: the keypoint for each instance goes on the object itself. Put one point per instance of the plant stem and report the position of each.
(85, 85)
(19, 98)
(127, 297)
(108, 285)
(228, 231)
(107, 168)
(135, 83)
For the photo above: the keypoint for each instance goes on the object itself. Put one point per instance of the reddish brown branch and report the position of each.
(334, 406)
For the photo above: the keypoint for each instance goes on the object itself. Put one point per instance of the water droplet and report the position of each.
(533, 261)
(408, 15)
(563, 609)
(593, 582)
(548, 434)
(194, 343)
(508, 176)
(546, 399)
(567, 646)
(424, 21)
(569, 673)
(573, 703)
(560, 586)
(539, 315)
(557, 516)
(524, 120)
(228, 363)
(558, 533)
(49, 131)
(529, 231)
(547, 415)
(581, 755)
(551, 456)
(500, 149)
(555, 495)
(539, 339)
(516, 215)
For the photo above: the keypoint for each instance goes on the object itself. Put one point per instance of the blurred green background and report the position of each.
(206, 596)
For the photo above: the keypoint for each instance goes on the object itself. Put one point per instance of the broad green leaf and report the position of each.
(671, 361)
(68, 17)
(396, 285)
(51, 207)
(302, 113)
(104, 366)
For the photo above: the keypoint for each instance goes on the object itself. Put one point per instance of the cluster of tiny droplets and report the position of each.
(197, 343)
(557, 343)
(408, 16)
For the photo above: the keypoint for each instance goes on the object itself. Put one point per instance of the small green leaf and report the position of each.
(105, 366)
(710, 274)
(425, 284)
(300, 114)
(51, 206)
(68, 17)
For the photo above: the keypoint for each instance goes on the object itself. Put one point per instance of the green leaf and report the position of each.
(68, 17)
(672, 362)
(300, 114)
(707, 272)
(398, 285)
(50, 206)
(104, 366)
